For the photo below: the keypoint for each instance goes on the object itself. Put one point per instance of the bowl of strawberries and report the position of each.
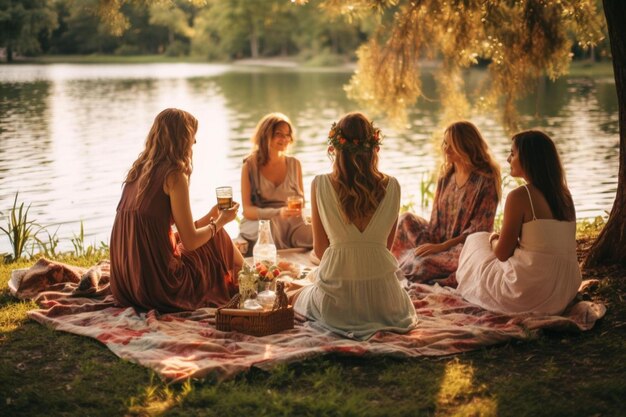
(267, 271)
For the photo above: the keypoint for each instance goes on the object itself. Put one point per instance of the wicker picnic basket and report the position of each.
(256, 323)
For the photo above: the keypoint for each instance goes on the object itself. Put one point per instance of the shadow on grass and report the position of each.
(330, 386)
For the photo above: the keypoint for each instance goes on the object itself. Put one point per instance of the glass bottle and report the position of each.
(264, 250)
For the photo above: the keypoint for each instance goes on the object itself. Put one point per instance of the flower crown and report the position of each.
(337, 140)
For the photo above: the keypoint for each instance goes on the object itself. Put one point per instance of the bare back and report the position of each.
(537, 206)
(363, 222)
(537, 203)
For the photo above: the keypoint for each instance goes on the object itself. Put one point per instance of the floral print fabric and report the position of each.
(456, 211)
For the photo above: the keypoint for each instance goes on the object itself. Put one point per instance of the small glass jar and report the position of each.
(267, 296)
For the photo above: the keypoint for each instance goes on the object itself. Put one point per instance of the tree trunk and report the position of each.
(284, 50)
(9, 53)
(334, 43)
(592, 54)
(254, 44)
(610, 246)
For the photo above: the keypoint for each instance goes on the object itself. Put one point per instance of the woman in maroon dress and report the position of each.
(153, 267)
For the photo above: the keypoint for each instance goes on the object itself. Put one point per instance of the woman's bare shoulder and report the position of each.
(517, 199)
(518, 194)
(174, 179)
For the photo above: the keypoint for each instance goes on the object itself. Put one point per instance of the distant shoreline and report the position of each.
(577, 68)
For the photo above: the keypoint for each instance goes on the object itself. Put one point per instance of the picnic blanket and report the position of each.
(187, 345)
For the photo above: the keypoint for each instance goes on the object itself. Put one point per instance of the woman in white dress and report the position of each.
(354, 212)
(531, 266)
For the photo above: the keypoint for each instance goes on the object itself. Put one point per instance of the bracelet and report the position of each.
(213, 225)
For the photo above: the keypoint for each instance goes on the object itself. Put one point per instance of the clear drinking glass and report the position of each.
(224, 197)
(295, 202)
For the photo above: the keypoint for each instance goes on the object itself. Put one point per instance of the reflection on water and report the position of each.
(68, 133)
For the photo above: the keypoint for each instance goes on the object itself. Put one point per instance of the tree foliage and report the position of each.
(229, 28)
(80, 31)
(519, 40)
(176, 21)
(210, 29)
(112, 13)
(21, 23)
(245, 28)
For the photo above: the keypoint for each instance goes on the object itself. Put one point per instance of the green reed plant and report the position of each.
(409, 205)
(427, 185)
(81, 249)
(19, 229)
(509, 182)
(497, 221)
(103, 248)
(47, 247)
(78, 241)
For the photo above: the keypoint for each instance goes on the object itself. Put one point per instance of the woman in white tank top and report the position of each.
(531, 266)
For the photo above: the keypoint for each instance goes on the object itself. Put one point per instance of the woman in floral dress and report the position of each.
(467, 195)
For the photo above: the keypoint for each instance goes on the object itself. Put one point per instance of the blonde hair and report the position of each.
(360, 185)
(168, 145)
(263, 133)
(466, 141)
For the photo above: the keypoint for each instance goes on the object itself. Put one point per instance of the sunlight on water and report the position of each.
(69, 133)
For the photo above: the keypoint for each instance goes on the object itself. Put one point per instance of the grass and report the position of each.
(591, 69)
(43, 372)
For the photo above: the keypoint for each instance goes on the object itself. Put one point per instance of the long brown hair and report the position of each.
(263, 133)
(168, 144)
(360, 185)
(466, 141)
(541, 164)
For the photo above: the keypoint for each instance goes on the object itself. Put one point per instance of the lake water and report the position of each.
(69, 133)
